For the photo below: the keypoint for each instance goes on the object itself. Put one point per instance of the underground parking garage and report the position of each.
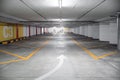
(59, 40)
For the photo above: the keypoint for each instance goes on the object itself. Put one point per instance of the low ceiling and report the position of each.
(57, 10)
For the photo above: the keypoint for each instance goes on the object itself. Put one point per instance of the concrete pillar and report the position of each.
(29, 31)
(90, 30)
(118, 25)
(95, 31)
(81, 31)
(113, 32)
(86, 30)
(104, 31)
(73, 30)
(83, 28)
(77, 30)
(36, 30)
(40, 30)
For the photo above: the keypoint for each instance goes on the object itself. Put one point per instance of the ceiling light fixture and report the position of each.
(60, 3)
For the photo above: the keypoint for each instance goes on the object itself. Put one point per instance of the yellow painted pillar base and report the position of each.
(11, 41)
(5, 42)
(16, 40)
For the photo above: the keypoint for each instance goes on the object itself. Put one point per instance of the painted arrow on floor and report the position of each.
(61, 59)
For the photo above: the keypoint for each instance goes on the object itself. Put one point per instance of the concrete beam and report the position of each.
(8, 18)
(57, 23)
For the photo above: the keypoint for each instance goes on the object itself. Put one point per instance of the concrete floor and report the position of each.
(59, 57)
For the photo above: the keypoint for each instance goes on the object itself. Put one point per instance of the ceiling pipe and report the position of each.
(32, 9)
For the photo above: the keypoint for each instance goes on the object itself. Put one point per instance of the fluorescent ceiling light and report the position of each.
(60, 3)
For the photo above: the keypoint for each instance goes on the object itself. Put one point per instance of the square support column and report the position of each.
(118, 25)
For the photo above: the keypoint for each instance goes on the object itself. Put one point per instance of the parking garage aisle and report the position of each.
(63, 57)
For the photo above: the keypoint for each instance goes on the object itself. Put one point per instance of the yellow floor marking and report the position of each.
(12, 54)
(10, 61)
(21, 57)
(92, 54)
(109, 54)
(86, 50)
(35, 51)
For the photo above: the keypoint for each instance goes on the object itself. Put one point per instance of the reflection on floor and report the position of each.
(59, 57)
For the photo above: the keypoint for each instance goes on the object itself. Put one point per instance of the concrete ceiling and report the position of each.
(49, 10)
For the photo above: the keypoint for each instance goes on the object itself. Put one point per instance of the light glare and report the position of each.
(58, 30)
